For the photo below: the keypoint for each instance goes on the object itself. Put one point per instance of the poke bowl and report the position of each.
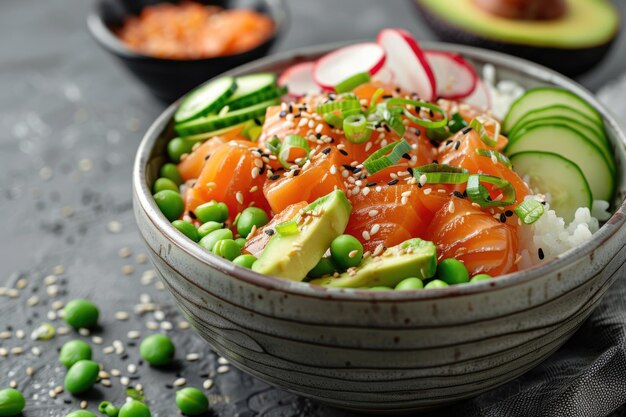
(345, 337)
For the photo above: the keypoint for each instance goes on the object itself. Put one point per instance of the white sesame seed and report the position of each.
(375, 228)
(131, 368)
(207, 384)
(5, 335)
(116, 372)
(106, 382)
(365, 191)
(4, 352)
(180, 382)
(17, 350)
(451, 206)
(333, 169)
(427, 191)
(114, 227)
(12, 293)
(133, 334)
(239, 197)
(83, 332)
(57, 305)
(183, 325)
(20, 334)
(108, 350)
(30, 371)
(223, 369)
(372, 213)
(353, 253)
(404, 201)
(50, 280)
(127, 269)
(366, 235)
(192, 357)
(21, 283)
(152, 325)
(379, 249)
(223, 361)
(35, 351)
(423, 179)
(166, 325)
(121, 315)
(51, 315)
(124, 252)
(63, 330)
(125, 381)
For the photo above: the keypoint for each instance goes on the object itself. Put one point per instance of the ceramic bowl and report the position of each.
(383, 352)
(169, 79)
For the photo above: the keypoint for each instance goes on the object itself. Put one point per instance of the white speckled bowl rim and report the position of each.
(537, 72)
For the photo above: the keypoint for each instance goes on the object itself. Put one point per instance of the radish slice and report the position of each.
(481, 97)
(299, 79)
(410, 67)
(339, 65)
(385, 75)
(456, 78)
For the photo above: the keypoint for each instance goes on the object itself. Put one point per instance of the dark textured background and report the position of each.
(70, 121)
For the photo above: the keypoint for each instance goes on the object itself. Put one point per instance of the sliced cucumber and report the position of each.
(569, 143)
(561, 111)
(547, 96)
(205, 99)
(584, 130)
(548, 172)
(253, 89)
(211, 123)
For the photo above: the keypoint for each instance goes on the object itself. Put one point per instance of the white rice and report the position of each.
(503, 93)
(553, 236)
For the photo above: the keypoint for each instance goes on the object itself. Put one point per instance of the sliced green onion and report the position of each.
(135, 394)
(287, 228)
(479, 126)
(480, 195)
(353, 82)
(333, 120)
(292, 142)
(350, 112)
(431, 124)
(440, 174)
(44, 332)
(355, 128)
(374, 99)
(440, 134)
(338, 105)
(529, 211)
(456, 123)
(274, 145)
(386, 156)
(495, 156)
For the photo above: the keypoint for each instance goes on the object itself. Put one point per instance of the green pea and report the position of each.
(410, 284)
(346, 251)
(480, 277)
(11, 402)
(80, 313)
(164, 184)
(245, 260)
(241, 241)
(250, 217)
(109, 409)
(452, 272)
(170, 171)
(209, 241)
(187, 229)
(81, 413)
(170, 203)
(81, 376)
(157, 350)
(192, 401)
(380, 288)
(74, 351)
(134, 408)
(177, 147)
(208, 227)
(436, 283)
(212, 212)
(227, 248)
(325, 266)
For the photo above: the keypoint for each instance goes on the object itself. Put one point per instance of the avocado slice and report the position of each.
(412, 258)
(293, 256)
(572, 42)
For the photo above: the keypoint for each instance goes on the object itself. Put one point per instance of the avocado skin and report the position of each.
(571, 62)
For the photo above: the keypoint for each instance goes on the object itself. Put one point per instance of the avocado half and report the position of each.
(571, 44)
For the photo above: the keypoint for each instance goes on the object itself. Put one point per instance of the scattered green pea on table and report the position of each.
(81, 377)
(157, 350)
(81, 413)
(80, 313)
(192, 401)
(11, 402)
(134, 408)
(74, 351)
(105, 407)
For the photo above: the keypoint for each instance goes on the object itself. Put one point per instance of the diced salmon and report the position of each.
(256, 241)
(192, 199)
(191, 166)
(229, 176)
(394, 214)
(320, 177)
(465, 232)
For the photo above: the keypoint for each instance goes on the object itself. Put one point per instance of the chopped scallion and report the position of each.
(293, 142)
(287, 228)
(480, 195)
(529, 211)
(355, 128)
(352, 82)
(479, 126)
(338, 105)
(441, 174)
(386, 156)
(494, 155)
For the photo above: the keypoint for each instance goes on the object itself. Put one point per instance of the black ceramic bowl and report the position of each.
(169, 79)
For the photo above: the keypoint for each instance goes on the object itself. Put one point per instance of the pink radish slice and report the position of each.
(385, 75)
(299, 79)
(410, 67)
(481, 97)
(456, 78)
(341, 64)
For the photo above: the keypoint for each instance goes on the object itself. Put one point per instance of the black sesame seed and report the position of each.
(362, 176)
(502, 218)
(290, 108)
(387, 128)
(356, 170)
(262, 170)
(410, 171)
(192, 215)
(343, 152)
(508, 213)
(435, 161)
(456, 145)
(370, 184)
(275, 177)
(432, 114)
(543, 202)
(269, 232)
(448, 142)
(257, 122)
(406, 156)
(295, 116)
(206, 158)
(434, 143)
(169, 386)
(466, 130)
(349, 167)
(386, 96)
(392, 182)
(398, 90)
(540, 253)
(282, 114)
(326, 151)
(318, 135)
(296, 172)
(458, 194)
